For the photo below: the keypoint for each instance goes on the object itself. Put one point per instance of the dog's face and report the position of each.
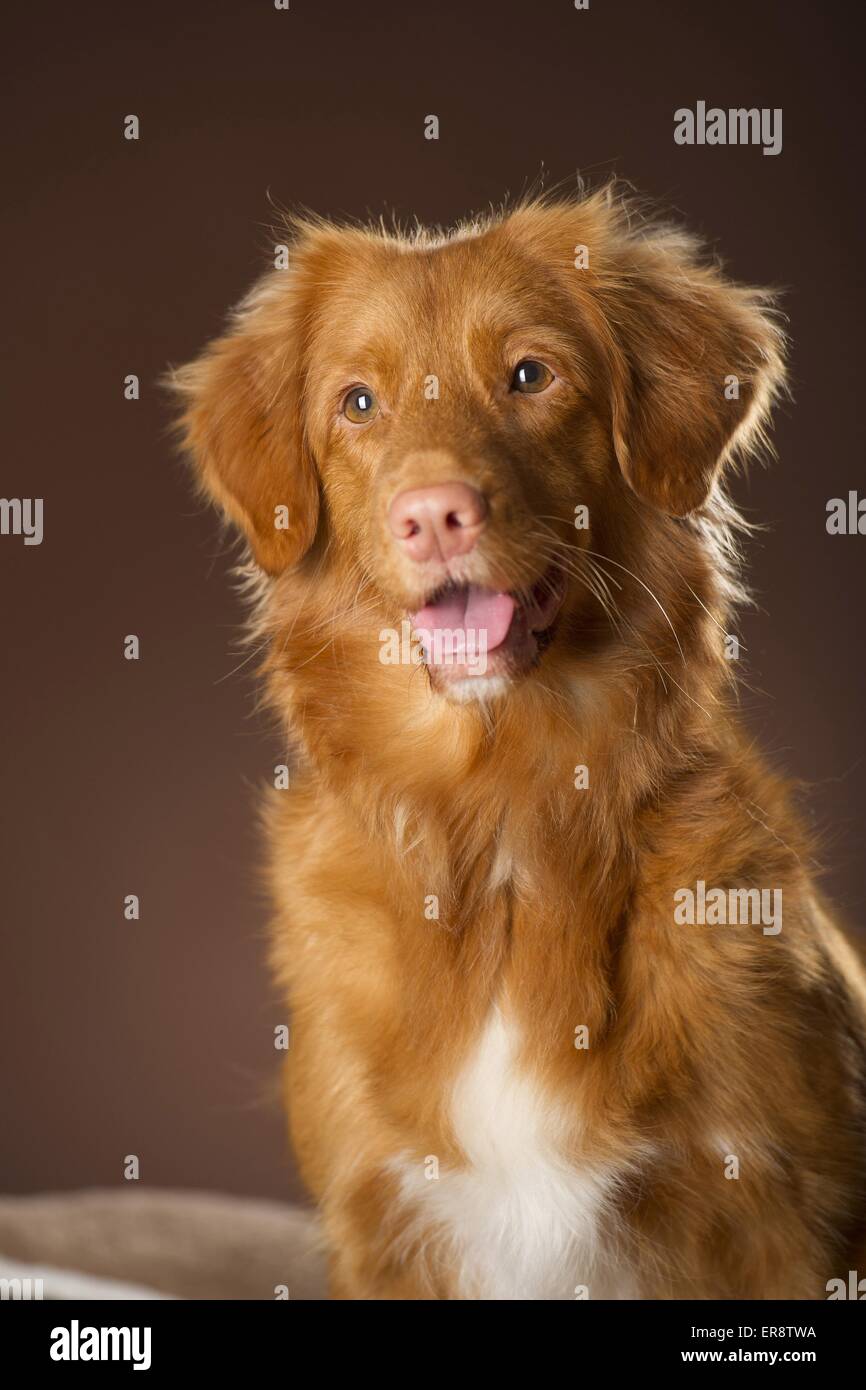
(463, 419)
(451, 411)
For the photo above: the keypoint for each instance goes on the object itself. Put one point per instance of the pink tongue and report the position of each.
(482, 617)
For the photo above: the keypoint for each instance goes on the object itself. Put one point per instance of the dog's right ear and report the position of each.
(241, 425)
(242, 411)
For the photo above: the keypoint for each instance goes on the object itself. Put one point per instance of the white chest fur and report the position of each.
(523, 1223)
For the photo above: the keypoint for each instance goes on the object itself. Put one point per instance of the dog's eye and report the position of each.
(530, 376)
(360, 405)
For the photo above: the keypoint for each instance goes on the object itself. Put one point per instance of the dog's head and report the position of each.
(462, 423)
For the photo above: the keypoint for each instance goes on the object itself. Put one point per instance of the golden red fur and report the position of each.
(555, 901)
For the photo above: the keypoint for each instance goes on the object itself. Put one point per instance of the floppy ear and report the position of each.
(242, 425)
(695, 362)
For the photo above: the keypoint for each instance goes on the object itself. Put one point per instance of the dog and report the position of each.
(522, 1066)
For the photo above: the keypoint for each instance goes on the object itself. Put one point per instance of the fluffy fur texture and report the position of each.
(459, 1143)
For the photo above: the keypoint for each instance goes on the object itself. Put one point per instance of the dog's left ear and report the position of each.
(695, 364)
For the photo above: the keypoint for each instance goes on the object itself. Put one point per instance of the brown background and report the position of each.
(156, 1037)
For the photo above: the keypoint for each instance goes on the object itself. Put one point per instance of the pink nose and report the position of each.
(438, 522)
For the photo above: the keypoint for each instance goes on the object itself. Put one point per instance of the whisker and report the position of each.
(594, 556)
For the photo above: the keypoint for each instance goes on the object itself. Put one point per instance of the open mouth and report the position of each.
(467, 631)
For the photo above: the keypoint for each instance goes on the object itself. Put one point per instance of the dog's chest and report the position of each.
(522, 1222)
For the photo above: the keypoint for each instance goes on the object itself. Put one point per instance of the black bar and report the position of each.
(299, 1339)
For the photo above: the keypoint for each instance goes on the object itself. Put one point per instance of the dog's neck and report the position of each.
(469, 800)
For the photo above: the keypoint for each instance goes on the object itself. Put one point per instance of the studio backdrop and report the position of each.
(155, 149)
